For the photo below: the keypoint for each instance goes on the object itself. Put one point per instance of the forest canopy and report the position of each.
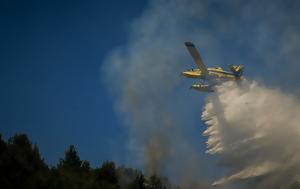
(21, 166)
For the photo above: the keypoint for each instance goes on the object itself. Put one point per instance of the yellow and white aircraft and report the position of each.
(212, 76)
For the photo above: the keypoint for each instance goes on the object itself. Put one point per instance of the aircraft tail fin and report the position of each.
(236, 69)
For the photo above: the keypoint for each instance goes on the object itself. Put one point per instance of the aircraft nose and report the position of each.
(184, 73)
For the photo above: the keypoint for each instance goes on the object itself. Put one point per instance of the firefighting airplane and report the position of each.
(210, 76)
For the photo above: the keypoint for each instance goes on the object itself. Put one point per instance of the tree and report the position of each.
(3, 145)
(138, 183)
(71, 160)
(85, 165)
(107, 173)
(155, 183)
(22, 164)
(3, 166)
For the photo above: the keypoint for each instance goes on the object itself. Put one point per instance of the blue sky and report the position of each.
(50, 58)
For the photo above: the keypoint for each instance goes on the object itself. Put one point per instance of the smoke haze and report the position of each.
(252, 128)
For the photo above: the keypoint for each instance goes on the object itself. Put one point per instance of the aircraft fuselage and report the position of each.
(217, 73)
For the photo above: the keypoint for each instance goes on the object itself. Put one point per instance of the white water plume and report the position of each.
(256, 131)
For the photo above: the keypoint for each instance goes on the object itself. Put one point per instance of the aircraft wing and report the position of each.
(197, 58)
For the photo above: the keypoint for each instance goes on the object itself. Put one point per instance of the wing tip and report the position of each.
(189, 44)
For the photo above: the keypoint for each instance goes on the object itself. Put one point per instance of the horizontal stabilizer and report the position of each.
(237, 70)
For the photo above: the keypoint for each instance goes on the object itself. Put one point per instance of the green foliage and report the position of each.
(155, 183)
(138, 183)
(21, 166)
(107, 173)
(71, 160)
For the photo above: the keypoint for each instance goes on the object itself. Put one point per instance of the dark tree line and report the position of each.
(21, 166)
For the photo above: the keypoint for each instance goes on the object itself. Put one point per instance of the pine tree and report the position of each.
(71, 160)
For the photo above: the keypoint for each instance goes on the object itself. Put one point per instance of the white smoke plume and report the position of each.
(144, 76)
(256, 131)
